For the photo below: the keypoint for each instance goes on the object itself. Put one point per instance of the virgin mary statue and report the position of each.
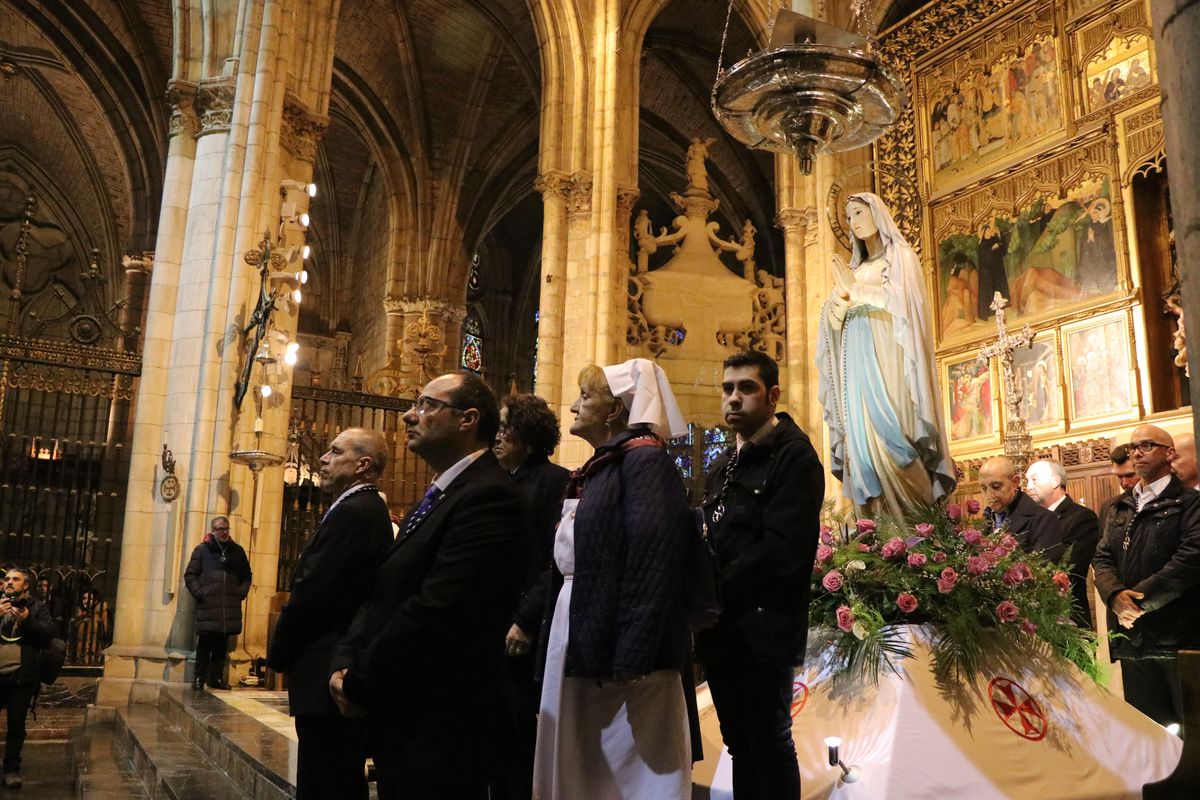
(877, 382)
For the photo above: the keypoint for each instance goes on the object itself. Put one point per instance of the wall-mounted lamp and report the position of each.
(850, 774)
(309, 189)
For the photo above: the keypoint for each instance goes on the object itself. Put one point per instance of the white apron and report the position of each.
(606, 742)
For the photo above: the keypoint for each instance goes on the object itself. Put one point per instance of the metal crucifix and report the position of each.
(1017, 441)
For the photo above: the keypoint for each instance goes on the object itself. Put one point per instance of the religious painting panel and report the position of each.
(1043, 237)
(1102, 385)
(992, 100)
(1115, 61)
(970, 404)
(1039, 382)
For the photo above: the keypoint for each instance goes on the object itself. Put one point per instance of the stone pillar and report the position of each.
(582, 291)
(801, 290)
(548, 382)
(1176, 36)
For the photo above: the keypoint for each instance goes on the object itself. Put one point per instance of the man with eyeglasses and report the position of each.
(424, 656)
(1122, 470)
(25, 628)
(1148, 574)
(333, 578)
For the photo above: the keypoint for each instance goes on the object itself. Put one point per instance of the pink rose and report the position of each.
(953, 510)
(939, 557)
(1017, 574)
(1062, 581)
(906, 603)
(832, 580)
(947, 580)
(972, 536)
(864, 525)
(1000, 551)
(826, 534)
(1029, 626)
(1008, 542)
(916, 560)
(990, 557)
(863, 547)
(924, 529)
(972, 506)
(976, 565)
(824, 553)
(1007, 611)
(894, 548)
(845, 618)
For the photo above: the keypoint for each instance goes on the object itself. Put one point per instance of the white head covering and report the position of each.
(643, 387)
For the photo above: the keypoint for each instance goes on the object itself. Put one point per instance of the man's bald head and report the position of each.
(1184, 465)
(1000, 481)
(1151, 449)
(364, 442)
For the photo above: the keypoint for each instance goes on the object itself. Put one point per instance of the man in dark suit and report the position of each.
(1046, 483)
(333, 579)
(1034, 528)
(423, 657)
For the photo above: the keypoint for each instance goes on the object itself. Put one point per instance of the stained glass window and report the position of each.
(681, 448)
(715, 441)
(472, 342)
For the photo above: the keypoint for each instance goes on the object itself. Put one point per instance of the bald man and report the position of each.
(334, 576)
(1148, 574)
(1184, 465)
(1034, 528)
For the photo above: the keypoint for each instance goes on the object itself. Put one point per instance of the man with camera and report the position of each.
(25, 628)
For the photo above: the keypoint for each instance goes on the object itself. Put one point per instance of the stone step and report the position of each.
(249, 737)
(167, 764)
(97, 771)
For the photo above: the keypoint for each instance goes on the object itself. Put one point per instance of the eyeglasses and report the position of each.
(426, 405)
(217, 528)
(1146, 445)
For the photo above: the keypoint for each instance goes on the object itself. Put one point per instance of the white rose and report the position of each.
(854, 566)
(859, 630)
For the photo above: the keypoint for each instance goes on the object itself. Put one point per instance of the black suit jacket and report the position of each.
(333, 579)
(1035, 528)
(424, 655)
(1081, 533)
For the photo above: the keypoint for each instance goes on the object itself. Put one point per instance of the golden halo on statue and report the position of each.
(868, 178)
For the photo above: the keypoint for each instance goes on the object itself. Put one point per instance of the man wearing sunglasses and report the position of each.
(424, 656)
(1148, 574)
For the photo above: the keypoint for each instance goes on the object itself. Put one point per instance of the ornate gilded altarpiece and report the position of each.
(1029, 121)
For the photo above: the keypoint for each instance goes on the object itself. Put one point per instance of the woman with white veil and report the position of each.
(877, 382)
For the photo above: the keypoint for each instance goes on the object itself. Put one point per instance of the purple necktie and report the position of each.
(422, 510)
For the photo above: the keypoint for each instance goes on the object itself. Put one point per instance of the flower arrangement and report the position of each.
(974, 588)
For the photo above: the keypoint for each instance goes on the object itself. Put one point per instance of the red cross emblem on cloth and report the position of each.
(1016, 709)
(799, 696)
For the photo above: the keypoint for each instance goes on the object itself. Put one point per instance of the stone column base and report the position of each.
(135, 674)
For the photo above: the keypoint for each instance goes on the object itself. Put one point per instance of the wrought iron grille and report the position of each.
(318, 415)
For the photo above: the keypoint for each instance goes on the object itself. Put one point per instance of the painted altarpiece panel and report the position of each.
(1039, 383)
(991, 101)
(1102, 384)
(1047, 237)
(1115, 61)
(970, 399)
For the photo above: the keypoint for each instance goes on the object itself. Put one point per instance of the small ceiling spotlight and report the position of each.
(309, 189)
(850, 774)
(296, 296)
(266, 390)
(305, 252)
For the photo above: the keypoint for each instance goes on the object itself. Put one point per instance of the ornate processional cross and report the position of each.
(1017, 441)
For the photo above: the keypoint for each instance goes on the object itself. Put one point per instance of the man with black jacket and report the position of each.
(762, 500)
(1034, 528)
(333, 577)
(25, 628)
(1047, 483)
(218, 576)
(1148, 574)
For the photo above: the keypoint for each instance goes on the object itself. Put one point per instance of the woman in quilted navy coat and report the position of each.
(613, 719)
(218, 576)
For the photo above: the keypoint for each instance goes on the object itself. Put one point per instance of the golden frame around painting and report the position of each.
(1039, 378)
(1049, 236)
(1100, 369)
(992, 100)
(970, 401)
(1115, 61)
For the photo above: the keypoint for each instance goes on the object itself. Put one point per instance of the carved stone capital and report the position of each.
(454, 314)
(626, 197)
(143, 263)
(301, 131)
(214, 100)
(419, 305)
(393, 305)
(552, 181)
(579, 194)
(182, 97)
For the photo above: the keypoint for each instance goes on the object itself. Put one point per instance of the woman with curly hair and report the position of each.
(528, 436)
